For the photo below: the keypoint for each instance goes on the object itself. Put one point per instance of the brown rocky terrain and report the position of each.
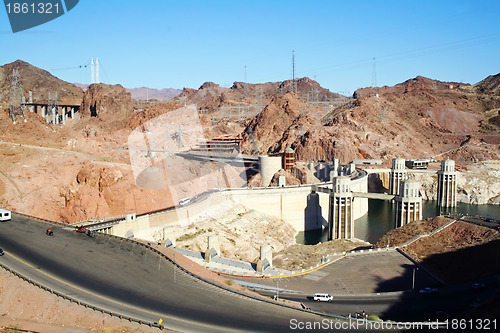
(101, 100)
(72, 172)
(40, 82)
(300, 256)
(83, 169)
(76, 169)
(211, 96)
(443, 118)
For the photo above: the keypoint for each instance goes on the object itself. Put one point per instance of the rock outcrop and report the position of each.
(101, 99)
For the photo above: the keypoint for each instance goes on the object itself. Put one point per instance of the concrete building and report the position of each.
(340, 215)
(419, 164)
(397, 175)
(408, 204)
(288, 159)
(447, 184)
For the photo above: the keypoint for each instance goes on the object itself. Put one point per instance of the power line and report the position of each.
(413, 53)
(69, 68)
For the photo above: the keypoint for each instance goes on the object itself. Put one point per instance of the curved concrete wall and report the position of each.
(360, 205)
(294, 205)
(269, 165)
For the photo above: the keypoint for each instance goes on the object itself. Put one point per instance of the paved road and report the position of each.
(365, 282)
(130, 279)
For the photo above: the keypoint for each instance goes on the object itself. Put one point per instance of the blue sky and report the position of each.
(176, 44)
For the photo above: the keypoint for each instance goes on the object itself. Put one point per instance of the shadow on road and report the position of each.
(459, 270)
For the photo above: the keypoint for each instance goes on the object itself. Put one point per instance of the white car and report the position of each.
(5, 215)
(322, 297)
(184, 201)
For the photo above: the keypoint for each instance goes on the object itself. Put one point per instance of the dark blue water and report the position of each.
(380, 219)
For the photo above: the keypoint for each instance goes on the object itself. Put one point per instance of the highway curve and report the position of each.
(132, 280)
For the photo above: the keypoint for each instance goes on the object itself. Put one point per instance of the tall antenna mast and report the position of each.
(92, 71)
(374, 74)
(97, 70)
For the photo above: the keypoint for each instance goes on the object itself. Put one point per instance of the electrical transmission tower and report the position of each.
(16, 107)
(178, 137)
(293, 87)
(245, 87)
(258, 101)
(374, 75)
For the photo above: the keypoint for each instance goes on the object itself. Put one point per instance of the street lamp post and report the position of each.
(278, 286)
(175, 266)
(413, 281)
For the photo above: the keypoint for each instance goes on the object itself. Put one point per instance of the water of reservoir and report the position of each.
(380, 219)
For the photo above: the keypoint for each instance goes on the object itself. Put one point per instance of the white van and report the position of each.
(184, 201)
(321, 297)
(5, 215)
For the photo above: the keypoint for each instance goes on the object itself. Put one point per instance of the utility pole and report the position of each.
(413, 281)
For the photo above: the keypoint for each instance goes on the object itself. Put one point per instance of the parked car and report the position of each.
(427, 291)
(5, 215)
(184, 201)
(1, 252)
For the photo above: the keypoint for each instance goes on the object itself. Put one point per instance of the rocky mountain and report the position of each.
(490, 85)
(148, 94)
(39, 81)
(145, 93)
(419, 118)
(211, 96)
(72, 172)
(102, 98)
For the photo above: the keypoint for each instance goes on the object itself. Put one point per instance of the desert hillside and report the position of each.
(39, 81)
(420, 118)
(83, 169)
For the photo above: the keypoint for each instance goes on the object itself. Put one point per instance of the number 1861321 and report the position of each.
(471, 324)
(32, 8)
